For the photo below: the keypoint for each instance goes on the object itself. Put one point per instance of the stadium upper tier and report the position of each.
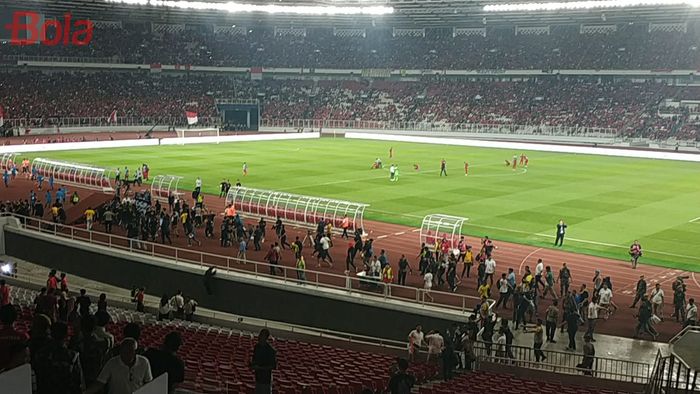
(630, 108)
(631, 46)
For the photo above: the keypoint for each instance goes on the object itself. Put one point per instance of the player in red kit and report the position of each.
(466, 168)
(522, 158)
(515, 162)
(526, 161)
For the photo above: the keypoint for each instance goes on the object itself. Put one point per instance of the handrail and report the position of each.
(682, 332)
(565, 362)
(347, 284)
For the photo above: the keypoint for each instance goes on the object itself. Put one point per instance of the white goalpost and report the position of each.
(183, 133)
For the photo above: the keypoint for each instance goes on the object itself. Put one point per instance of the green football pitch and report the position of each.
(608, 202)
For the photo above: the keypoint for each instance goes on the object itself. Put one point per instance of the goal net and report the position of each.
(184, 133)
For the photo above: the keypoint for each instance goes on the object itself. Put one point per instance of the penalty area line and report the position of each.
(694, 220)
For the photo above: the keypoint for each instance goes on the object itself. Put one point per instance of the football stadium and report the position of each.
(349, 197)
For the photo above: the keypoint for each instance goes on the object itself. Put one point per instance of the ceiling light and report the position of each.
(579, 5)
(269, 8)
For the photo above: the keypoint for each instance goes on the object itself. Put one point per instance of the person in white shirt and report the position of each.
(375, 268)
(392, 171)
(415, 341)
(592, 316)
(605, 296)
(691, 313)
(124, 373)
(324, 255)
(198, 185)
(428, 284)
(657, 301)
(435, 344)
(178, 305)
(503, 291)
(490, 269)
(539, 269)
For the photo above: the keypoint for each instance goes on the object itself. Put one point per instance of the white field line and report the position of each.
(579, 240)
(694, 220)
(520, 267)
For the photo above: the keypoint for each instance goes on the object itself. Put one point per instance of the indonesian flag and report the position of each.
(2, 116)
(112, 117)
(191, 117)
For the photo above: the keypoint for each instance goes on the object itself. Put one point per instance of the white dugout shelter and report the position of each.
(303, 210)
(164, 185)
(7, 160)
(81, 175)
(437, 226)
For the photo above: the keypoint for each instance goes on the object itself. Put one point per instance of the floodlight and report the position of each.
(233, 7)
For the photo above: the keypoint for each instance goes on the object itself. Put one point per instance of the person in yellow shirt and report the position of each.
(54, 213)
(484, 290)
(301, 269)
(387, 274)
(89, 216)
(468, 261)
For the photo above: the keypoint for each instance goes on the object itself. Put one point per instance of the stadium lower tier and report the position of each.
(35, 99)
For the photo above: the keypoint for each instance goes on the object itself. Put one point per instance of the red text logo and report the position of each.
(27, 28)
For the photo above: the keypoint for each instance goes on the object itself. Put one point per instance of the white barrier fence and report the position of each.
(637, 153)
(153, 142)
(643, 154)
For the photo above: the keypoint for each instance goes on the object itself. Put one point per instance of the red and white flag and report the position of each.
(191, 117)
(2, 116)
(112, 117)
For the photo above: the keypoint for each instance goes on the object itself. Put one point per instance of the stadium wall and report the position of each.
(586, 150)
(235, 293)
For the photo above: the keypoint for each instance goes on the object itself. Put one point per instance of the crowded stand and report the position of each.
(629, 108)
(631, 46)
(198, 357)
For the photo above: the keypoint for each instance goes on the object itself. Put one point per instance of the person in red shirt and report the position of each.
(64, 282)
(13, 344)
(52, 281)
(4, 293)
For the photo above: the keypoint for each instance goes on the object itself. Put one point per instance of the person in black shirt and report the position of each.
(404, 268)
(83, 302)
(165, 360)
(401, 382)
(263, 362)
(561, 231)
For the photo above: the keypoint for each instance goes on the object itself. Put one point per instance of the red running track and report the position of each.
(397, 240)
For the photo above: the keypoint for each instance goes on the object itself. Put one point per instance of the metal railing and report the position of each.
(566, 363)
(444, 127)
(62, 59)
(353, 286)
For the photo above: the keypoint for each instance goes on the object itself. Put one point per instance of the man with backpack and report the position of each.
(401, 382)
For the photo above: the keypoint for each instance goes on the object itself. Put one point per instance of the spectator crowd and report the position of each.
(631, 46)
(631, 109)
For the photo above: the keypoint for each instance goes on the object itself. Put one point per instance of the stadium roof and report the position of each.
(407, 13)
